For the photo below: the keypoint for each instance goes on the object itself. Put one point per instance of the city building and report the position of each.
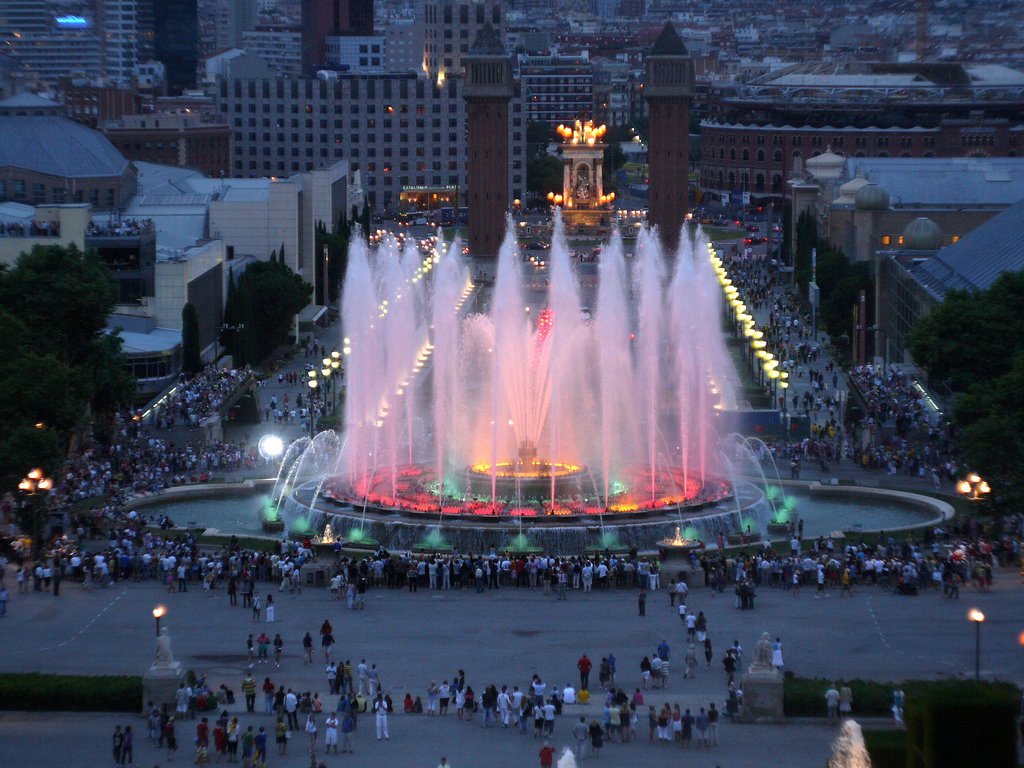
(92, 102)
(754, 131)
(489, 89)
(280, 47)
(913, 278)
(128, 248)
(668, 89)
(357, 53)
(22, 227)
(863, 205)
(183, 139)
(322, 19)
(177, 45)
(450, 29)
(46, 159)
(397, 130)
(234, 19)
(556, 89)
(404, 40)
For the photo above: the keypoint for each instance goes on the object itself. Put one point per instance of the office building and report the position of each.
(557, 89)
(183, 139)
(398, 130)
(450, 29)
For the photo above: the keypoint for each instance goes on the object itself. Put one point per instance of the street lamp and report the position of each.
(158, 612)
(973, 487)
(978, 618)
(312, 384)
(33, 484)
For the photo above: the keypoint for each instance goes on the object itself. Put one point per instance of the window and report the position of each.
(886, 239)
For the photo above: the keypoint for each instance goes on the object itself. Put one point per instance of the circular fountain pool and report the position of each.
(854, 511)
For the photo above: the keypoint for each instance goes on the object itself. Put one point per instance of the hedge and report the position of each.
(70, 693)
(952, 724)
(805, 696)
(887, 749)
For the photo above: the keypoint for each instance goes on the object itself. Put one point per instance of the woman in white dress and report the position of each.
(777, 653)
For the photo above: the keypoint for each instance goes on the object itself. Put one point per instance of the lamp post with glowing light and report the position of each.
(32, 485)
(978, 618)
(336, 381)
(313, 384)
(158, 612)
(973, 487)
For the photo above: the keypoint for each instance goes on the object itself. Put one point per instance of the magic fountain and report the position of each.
(517, 416)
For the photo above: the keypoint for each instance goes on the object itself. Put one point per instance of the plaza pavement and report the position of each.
(501, 638)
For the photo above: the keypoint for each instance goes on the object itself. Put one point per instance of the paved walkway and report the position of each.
(495, 637)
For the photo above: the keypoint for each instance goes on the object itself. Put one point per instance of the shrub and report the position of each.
(805, 697)
(957, 723)
(70, 693)
(887, 749)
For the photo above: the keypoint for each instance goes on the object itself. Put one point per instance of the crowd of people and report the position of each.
(200, 396)
(29, 229)
(121, 228)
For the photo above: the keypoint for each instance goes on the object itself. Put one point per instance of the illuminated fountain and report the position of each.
(524, 418)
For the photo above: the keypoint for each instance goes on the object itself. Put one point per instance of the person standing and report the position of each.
(584, 665)
(777, 654)
(311, 732)
(271, 612)
(257, 605)
(331, 733)
(278, 648)
(170, 739)
(380, 709)
(547, 755)
(348, 727)
(581, 733)
(291, 708)
(117, 744)
(642, 602)
(832, 701)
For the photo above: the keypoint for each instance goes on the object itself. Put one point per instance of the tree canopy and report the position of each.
(974, 344)
(264, 301)
(57, 361)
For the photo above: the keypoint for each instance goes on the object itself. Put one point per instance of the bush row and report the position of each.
(70, 693)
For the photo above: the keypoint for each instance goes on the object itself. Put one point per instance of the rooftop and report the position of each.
(966, 182)
(979, 258)
(56, 146)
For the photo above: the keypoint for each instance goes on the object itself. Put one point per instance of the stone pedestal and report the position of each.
(762, 696)
(160, 682)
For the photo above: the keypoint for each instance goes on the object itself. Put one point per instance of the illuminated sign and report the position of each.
(72, 22)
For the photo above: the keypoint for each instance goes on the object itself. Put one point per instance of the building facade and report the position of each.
(185, 140)
(557, 89)
(396, 130)
(755, 132)
(450, 29)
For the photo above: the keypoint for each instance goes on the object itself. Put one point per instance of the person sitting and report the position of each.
(568, 694)
(407, 704)
(417, 706)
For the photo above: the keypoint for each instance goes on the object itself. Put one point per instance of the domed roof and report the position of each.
(827, 165)
(848, 192)
(922, 235)
(56, 146)
(872, 197)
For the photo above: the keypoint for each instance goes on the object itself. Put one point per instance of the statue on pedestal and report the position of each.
(762, 655)
(163, 648)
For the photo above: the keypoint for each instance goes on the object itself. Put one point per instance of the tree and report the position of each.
(337, 255)
(968, 339)
(192, 360)
(543, 175)
(974, 343)
(269, 295)
(614, 159)
(58, 361)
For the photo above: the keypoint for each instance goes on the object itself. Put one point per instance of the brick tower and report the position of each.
(668, 89)
(489, 88)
